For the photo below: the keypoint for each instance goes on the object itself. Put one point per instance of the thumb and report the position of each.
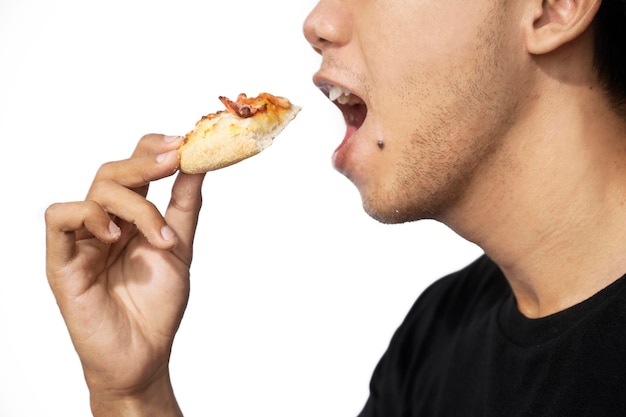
(183, 211)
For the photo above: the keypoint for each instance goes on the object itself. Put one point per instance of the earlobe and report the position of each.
(553, 23)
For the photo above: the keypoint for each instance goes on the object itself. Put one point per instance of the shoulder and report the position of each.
(417, 350)
(453, 303)
(468, 291)
(459, 301)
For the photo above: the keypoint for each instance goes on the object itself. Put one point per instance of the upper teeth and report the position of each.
(342, 96)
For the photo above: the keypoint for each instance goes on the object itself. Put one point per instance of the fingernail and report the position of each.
(167, 233)
(163, 157)
(114, 229)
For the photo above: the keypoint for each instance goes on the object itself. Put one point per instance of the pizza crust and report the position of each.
(245, 128)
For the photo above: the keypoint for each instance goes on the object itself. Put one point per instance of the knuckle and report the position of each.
(97, 188)
(149, 137)
(105, 170)
(101, 193)
(146, 143)
(91, 207)
(149, 212)
(52, 212)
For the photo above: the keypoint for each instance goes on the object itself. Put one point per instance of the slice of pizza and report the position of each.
(245, 128)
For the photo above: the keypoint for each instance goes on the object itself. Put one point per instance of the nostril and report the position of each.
(326, 25)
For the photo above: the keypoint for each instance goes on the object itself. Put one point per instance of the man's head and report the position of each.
(439, 88)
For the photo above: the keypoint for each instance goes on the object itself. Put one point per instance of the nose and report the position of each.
(327, 25)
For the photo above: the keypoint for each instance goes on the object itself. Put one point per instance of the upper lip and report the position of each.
(326, 85)
(355, 110)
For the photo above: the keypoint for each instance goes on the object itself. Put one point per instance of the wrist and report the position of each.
(155, 400)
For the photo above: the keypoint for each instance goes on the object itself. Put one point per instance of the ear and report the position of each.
(553, 23)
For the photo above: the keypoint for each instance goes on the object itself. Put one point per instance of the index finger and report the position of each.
(155, 157)
(152, 144)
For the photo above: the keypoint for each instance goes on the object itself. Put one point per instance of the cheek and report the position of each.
(371, 154)
(381, 153)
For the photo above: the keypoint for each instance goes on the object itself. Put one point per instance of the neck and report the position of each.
(554, 220)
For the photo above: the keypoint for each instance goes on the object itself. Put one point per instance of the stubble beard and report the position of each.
(457, 139)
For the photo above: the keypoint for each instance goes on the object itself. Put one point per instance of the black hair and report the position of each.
(610, 50)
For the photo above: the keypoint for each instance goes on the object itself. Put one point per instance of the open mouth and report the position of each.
(352, 107)
(354, 110)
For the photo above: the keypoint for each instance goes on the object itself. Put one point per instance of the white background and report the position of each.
(295, 291)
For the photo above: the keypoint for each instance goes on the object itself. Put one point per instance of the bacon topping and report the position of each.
(244, 107)
(247, 107)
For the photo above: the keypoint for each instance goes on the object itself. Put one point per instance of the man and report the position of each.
(504, 119)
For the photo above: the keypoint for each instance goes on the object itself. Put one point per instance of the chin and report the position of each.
(387, 213)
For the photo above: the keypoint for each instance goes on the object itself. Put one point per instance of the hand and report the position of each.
(120, 273)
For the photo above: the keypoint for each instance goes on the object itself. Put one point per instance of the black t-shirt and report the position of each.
(465, 350)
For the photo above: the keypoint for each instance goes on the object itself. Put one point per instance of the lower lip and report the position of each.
(340, 154)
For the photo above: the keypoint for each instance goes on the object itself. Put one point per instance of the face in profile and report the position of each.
(427, 90)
